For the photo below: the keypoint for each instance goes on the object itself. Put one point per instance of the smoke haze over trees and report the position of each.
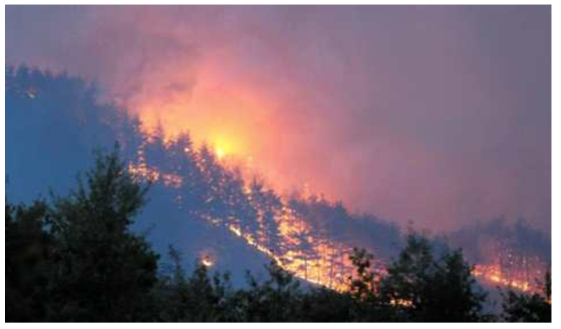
(388, 163)
(196, 202)
(442, 112)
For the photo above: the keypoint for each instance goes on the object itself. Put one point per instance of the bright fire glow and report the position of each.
(326, 262)
(225, 120)
(237, 123)
(226, 145)
(516, 279)
(208, 262)
(220, 153)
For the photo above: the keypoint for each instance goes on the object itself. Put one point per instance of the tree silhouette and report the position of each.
(101, 265)
(536, 307)
(424, 286)
(29, 262)
(268, 207)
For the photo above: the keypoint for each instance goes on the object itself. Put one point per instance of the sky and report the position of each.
(431, 115)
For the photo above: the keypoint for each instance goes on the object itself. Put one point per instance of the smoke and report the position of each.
(437, 115)
(484, 241)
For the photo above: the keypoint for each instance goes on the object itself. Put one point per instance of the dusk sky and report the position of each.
(434, 115)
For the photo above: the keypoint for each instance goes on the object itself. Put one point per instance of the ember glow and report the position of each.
(524, 276)
(327, 263)
(207, 260)
(322, 262)
(230, 125)
(495, 275)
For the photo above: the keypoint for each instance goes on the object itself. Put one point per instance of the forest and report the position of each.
(82, 253)
(75, 258)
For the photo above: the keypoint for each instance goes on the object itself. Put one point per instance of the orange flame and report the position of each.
(323, 262)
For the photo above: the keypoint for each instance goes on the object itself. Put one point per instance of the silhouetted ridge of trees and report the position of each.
(75, 258)
(55, 120)
(53, 123)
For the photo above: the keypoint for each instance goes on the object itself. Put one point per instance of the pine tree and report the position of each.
(521, 307)
(423, 286)
(101, 265)
(29, 262)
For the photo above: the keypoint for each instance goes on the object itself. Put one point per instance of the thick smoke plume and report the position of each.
(438, 115)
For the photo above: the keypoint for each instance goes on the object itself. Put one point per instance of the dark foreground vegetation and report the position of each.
(75, 258)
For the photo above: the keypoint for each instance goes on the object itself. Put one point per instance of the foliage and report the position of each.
(29, 257)
(92, 266)
(76, 259)
(536, 307)
(424, 286)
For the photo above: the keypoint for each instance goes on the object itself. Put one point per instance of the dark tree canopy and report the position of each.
(76, 258)
(536, 307)
(93, 264)
(426, 285)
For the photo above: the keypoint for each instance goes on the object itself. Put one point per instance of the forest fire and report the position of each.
(300, 250)
(311, 257)
(320, 266)
(223, 125)
(515, 278)
(493, 274)
(154, 175)
(380, 181)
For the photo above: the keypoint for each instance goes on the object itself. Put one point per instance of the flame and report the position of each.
(207, 261)
(327, 263)
(401, 302)
(153, 175)
(226, 144)
(516, 279)
(512, 269)
(237, 122)
(230, 121)
(324, 261)
(220, 153)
